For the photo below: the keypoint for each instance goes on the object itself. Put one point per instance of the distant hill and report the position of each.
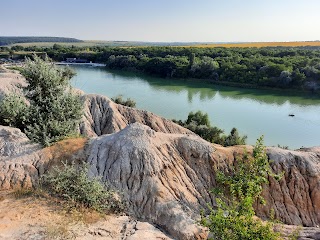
(12, 40)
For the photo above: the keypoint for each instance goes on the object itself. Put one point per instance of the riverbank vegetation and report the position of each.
(286, 68)
(199, 123)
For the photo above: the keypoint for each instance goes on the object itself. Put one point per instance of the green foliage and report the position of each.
(248, 174)
(199, 123)
(54, 111)
(128, 102)
(198, 118)
(13, 111)
(238, 191)
(72, 183)
(281, 67)
(16, 68)
(234, 138)
(226, 223)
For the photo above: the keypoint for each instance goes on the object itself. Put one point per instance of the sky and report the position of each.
(164, 20)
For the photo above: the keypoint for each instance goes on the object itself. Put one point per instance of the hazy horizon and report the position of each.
(165, 21)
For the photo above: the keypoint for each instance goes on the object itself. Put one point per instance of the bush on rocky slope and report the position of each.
(237, 191)
(71, 183)
(53, 112)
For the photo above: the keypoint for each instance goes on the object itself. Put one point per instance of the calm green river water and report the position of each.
(253, 112)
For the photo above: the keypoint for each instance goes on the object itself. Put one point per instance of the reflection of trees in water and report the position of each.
(204, 94)
(208, 91)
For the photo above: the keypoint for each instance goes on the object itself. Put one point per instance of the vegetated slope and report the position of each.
(12, 40)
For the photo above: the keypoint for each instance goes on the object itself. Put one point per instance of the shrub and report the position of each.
(234, 138)
(129, 102)
(54, 111)
(72, 183)
(237, 192)
(13, 111)
(199, 123)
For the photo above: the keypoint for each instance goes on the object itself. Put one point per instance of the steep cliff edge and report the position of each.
(296, 197)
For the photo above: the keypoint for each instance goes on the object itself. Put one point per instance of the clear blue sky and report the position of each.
(163, 20)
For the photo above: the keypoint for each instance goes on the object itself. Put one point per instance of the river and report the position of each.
(253, 112)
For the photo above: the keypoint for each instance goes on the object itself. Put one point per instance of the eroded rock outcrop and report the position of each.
(102, 116)
(17, 159)
(296, 197)
(23, 162)
(165, 178)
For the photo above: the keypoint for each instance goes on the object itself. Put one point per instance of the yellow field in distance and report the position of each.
(142, 44)
(259, 44)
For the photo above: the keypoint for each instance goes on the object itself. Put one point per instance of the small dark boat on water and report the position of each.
(291, 115)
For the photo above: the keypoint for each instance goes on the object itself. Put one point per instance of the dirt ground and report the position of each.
(37, 218)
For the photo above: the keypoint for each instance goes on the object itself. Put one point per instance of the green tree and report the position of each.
(54, 110)
(198, 118)
(199, 123)
(234, 138)
(237, 192)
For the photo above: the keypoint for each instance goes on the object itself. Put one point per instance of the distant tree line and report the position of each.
(281, 67)
(12, 40)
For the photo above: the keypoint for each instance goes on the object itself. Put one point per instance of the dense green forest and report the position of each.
(280, 67)
(12, 40)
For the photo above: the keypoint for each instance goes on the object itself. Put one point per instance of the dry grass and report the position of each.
(22, 193)
(68, 149)
(55, 220)
(58, 231)
(259, 44)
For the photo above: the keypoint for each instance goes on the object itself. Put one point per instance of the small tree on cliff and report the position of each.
(237, 191)
(54, 110)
